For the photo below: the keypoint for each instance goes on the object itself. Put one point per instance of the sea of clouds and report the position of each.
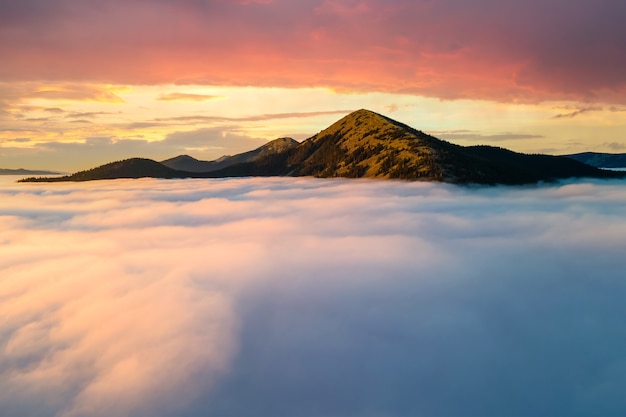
(309, 297)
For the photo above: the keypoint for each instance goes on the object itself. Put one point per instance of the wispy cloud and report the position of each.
(17, 129)
(140, 125)
(615, 146)
(78, 92)
(577, 112)
(253, 118)
(469, 135)
(88, 115)
(54, 110)
(588, 109)
(187, 97)
(38, 119)
(311, 297)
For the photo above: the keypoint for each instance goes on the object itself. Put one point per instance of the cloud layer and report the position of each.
(311, 297)
(509, 51)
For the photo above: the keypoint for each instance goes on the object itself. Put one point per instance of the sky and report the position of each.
(86, 82)
(309, 297)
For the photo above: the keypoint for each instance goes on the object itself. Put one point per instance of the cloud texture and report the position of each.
(258, 297)
(509, 50)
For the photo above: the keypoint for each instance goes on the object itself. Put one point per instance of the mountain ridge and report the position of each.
(127, 168)
(365, 144)
(600, 159)
(190, 164)
(22, 171)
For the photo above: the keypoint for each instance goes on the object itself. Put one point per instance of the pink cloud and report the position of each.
(510, 51)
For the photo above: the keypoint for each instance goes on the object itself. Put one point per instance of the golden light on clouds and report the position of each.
(73, 92)
(187, 97)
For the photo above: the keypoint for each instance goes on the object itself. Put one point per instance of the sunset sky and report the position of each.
(86, 82)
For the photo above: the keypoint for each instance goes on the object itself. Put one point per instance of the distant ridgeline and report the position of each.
(601, 160)
(22, 171)
(363, 144)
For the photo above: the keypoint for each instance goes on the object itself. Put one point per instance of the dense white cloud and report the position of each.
(258, 297)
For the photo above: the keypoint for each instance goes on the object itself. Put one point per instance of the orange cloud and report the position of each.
(77, 92)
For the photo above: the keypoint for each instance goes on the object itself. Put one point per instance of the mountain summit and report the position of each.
(365, 144)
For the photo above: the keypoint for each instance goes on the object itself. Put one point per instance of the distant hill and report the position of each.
(189, 164)
(129, 168)
(364, 144)
(22, 171)
(601, 160)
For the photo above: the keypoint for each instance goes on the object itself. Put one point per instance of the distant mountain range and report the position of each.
(22, 171)
(601, 160)
(363, 144)
(189, 164)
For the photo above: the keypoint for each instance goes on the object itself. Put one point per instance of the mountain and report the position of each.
(190, 164)
(365, 144)
(22, 171)
(600, 160)
(370, 145)
(129, 168)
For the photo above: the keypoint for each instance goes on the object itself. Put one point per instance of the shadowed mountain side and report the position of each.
(365, 144)
(128, 168)
(601, 160)
(189, 164)
(508, 167)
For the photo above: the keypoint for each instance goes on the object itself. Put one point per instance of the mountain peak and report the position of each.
(277, 145)
(180, 159)
(285, 139)
(363, 113)
(364, 124)
(362, 116)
